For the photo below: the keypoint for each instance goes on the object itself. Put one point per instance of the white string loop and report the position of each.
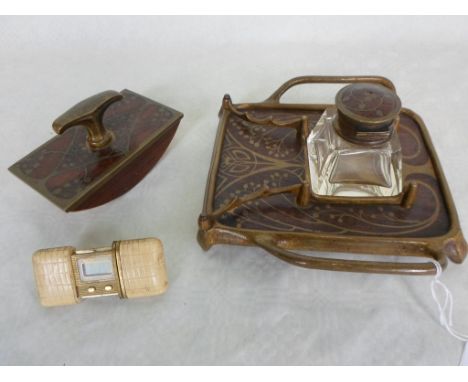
(445, 308)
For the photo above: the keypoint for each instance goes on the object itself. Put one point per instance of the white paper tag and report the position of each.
(464, 358)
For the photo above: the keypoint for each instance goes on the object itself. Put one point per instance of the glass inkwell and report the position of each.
(354, 149)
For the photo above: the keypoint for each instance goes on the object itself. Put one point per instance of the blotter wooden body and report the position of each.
(74, 176)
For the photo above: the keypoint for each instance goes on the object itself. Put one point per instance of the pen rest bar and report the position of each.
(343, 265)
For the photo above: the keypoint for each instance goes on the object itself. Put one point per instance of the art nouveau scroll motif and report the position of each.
(297, 122)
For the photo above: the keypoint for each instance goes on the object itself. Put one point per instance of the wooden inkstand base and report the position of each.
(258, 193)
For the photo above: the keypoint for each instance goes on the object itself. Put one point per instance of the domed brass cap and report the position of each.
(367, 113)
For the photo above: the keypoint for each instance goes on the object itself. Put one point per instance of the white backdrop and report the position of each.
(230, 305)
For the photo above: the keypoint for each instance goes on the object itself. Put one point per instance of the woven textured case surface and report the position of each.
(54, 276)
(142, 267)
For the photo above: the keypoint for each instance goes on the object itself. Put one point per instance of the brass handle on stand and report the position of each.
(88, 113)
(333, 264)
(275, 97)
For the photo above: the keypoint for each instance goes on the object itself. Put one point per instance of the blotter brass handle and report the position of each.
(88, 113)
(275, 97)
(330, 264)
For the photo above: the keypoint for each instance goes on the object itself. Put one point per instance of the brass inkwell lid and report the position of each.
(367, 113)
(106, 145)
